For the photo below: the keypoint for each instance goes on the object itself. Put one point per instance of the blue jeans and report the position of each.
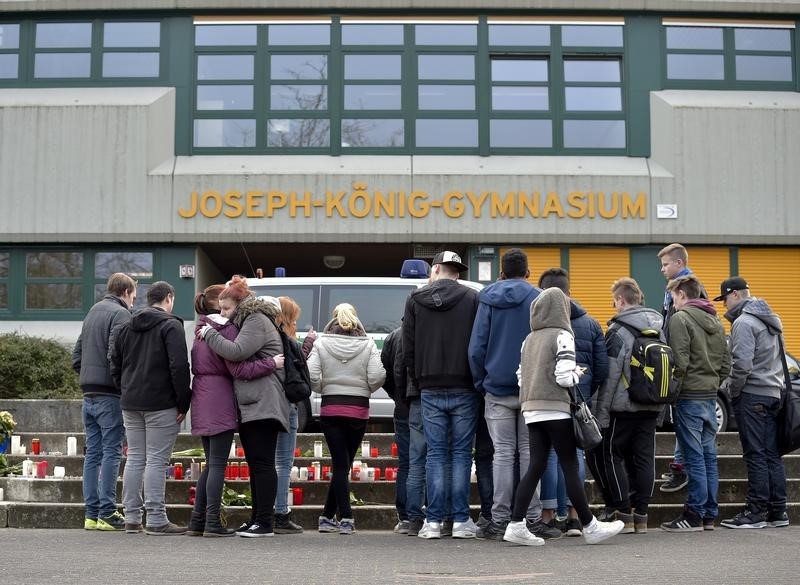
(417, 456)
(696, 429)
(766, 477)
(454, 415)
(102, 422)
(403, 439)
(554, 488)
(284, 457)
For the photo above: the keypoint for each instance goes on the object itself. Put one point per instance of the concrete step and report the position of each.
(381, 517)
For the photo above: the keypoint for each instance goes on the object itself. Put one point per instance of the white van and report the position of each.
(380, 302)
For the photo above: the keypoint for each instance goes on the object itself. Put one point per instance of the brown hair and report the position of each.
(690, 286)
(290, 313)
(207, 302)
(119, 284)
(236, 289)
(628, 289)
(676, 252)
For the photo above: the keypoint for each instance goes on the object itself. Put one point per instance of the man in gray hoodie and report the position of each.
(755, 384)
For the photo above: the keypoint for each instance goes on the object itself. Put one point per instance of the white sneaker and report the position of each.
(430, 530)
(464, 529)
(518, 533)
(599, 531)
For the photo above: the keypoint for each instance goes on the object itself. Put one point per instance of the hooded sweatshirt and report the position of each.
(150, 364)
(757, 366)
(437, 325)
(613, 394)
(500, 327)
(548, 356)
(697, 339)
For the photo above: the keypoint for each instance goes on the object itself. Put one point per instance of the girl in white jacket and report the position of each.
(345, 367)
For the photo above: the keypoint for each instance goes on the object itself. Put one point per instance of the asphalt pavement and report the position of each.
(67, 557)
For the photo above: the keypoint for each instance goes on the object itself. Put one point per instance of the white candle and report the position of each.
(304, 474)
(59, 472)
(16, 443)
(232, 454)
(290, 498)
(2, 495)
(317, 448)
(72, 446)
(294, 474)
(365, 449)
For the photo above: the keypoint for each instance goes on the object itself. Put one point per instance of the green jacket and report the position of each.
(702, 359)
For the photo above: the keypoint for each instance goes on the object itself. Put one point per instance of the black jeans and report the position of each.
(343, 435)
(484, 457)
(558, 434)
(629, 454)
(597, 466)
(259, 439)
(208, 497)
(766, 477)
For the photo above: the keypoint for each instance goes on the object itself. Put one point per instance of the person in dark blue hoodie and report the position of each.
(501, 325)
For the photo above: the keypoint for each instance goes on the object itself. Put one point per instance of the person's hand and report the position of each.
(279, 359)
(181, 416)
(311, 334)
(201, 333)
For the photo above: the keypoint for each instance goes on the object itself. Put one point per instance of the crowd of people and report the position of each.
(490, 376)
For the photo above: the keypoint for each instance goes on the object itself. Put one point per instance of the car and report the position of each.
(380, 302)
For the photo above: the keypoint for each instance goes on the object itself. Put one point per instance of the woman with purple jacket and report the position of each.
(214, 410)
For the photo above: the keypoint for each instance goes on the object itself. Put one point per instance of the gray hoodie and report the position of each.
(756, 364)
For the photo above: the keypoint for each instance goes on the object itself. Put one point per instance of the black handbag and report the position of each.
(789, 414)
(587, 429)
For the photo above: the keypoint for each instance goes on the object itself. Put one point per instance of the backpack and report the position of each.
(297, 380)
(652, 368)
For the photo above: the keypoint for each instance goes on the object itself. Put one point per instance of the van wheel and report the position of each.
(303, 414)
(721, 412)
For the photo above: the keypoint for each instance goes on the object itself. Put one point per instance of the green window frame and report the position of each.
(711, 54)
(10, 51)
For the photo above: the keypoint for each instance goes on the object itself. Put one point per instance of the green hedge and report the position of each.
(33, 367)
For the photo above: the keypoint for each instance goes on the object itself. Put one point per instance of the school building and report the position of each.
(190, 140)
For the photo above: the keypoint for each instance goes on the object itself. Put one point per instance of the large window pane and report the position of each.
(521, 133)
(763, 68)
(455, 133)
(307, 296)
(372, 34)
(9, 36)
(298, 97)
(519, 34)
(130, 64)
(224, 67)
(237, 35)
(762, 39)
(53, 264)
(691, 37)
(594, 133)
(9, 66)
(591, 36)
(53, 296)
(446, 97)
(446, 66)
(372, 67)
(225, 97)
(519, 69)
(225, 133)
(597, 99)
(372, 133)
(372, 97)
(131, 34)
(299, 34)
(63, 35)
(520, 98)
(299, 133)
(134, 264)
(446, 34)
(695, 67)
(58, 65)
(5, 259)
(379, 308)
(591, 70)
(299, 67)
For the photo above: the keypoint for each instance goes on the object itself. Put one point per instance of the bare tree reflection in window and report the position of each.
(54, 264)
(370, 132)
(134, 264)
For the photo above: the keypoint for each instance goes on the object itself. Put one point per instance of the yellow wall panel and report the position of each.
(540, 258)
(712, 266)
(774, 275)
(592, 271)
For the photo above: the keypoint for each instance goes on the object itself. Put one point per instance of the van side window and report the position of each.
(380, 308)
(306, 296)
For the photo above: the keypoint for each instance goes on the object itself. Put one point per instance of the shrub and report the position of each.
(33, 367)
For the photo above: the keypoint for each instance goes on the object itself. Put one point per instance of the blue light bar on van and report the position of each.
(415, 269)
(280, 272)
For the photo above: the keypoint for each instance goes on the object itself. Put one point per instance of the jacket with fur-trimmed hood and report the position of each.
(262, 398)
(547, 348)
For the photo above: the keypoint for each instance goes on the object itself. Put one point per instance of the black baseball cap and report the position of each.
(731, 284)
(450, 258)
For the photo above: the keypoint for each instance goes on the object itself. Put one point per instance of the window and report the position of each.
(53, 280)
(9, 51)
(131, 49)
(5, 263)
(379, 308)
(137, 265)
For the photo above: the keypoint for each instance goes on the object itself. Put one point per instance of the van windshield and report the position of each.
(305, 296)
(380, 308)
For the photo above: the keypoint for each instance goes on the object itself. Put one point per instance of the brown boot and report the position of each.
(627, 519)
(640, 523)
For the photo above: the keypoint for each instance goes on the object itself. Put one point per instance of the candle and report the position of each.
(365, 449)
(240, 452)
(373, 452)
(72, 446)
(304, 474)
(310, 475)
(16, 443)
(36, 446)
(179, 471)
(297, 452)
(377, 474)
(294, 474)
(317, 448)
(297, 496)
(232, 452)
(390, 474)
(317, 475)
(290, 498)
(2, 495)
(370, 474)
(235, 468)
(244, 470)
(356, 474)
(41, 469)
(59, 472)
(195, 470)
(394, 449)
(27, 468)
(326, 473)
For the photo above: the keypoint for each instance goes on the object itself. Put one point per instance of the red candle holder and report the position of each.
(297, 452)
(228, 471)
(244, 471)
(391, 474)
(41, 469)
(179, 471)
(240, 451)
(311, 476)
(235, 469)
(297, 496)
(394, 449)
(373, 452)
(377, 474)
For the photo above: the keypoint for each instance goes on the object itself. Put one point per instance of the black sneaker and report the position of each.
(414, 526)
(746, 519)
(257, 531)
(574, 527)
(545, 530)
(218, 531)
(777, 519)
(677, 482)
(688, 521)
(492, 531)
(244, 526)
(284, 525)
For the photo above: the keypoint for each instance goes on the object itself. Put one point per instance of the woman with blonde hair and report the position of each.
(345, 367)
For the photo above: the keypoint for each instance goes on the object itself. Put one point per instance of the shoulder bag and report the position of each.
(587, 430)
